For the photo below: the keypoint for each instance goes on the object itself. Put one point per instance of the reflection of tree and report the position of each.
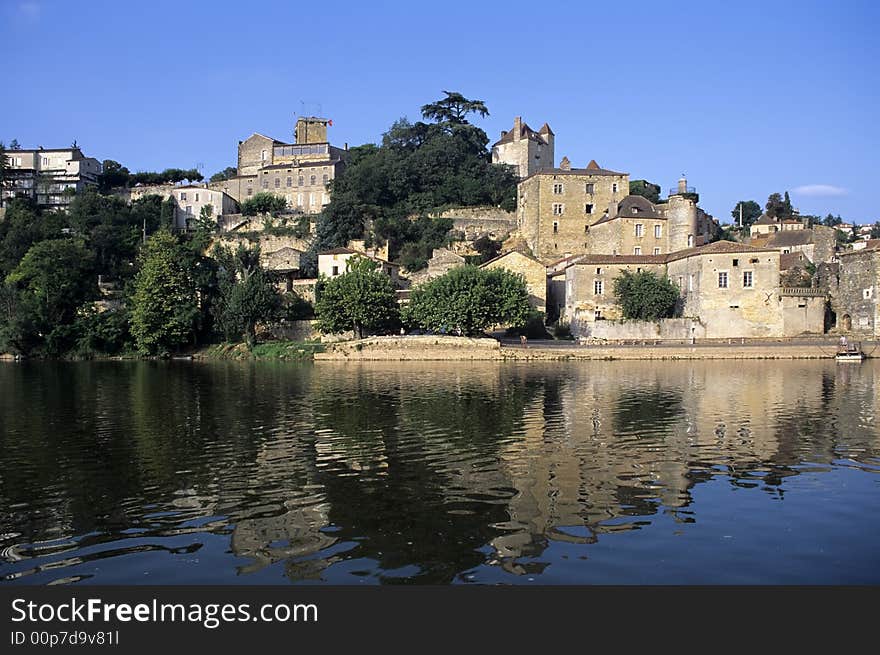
(646, 409)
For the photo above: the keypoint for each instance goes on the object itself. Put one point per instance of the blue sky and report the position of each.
(745, 98)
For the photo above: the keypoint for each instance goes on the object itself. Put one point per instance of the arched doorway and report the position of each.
(846, 322)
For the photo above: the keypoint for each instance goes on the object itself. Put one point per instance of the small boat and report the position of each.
(849, 352)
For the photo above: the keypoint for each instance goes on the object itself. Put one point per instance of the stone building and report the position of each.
(533, 271)
(333, 263)
(765, 225)
(524, 149)
(299, 172)
(729, 290)
(189, 201)
(49, 176)
(568, 211)
(818, 244)
(859, 283)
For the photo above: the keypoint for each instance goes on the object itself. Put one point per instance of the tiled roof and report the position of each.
(591, 169)
(527, 133)
(790, 238)
(511, 252)
(340, 251)
(716, 248)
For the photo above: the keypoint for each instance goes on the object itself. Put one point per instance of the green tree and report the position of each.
(751, 211)
(263, 203)
(247, 294)
(467, 300)
(645, 296)
(226, 174)
(831, 220)
(113, 175)
(777, 207)
(875, 230)
(454, 108)
(645, 189)
(361, 299)
(53, 280)
(165, 304)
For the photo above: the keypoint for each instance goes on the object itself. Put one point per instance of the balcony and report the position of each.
(678, 191)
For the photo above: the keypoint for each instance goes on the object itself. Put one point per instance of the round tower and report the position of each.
(681, 216)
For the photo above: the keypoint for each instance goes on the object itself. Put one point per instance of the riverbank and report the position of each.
(270, 350)
(440, 348)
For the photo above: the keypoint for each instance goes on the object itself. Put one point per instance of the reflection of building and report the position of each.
(857, 307)
(50, 177)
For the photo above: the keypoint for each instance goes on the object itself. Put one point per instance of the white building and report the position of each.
(50, 177)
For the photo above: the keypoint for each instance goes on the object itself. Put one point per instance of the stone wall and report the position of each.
(533, 271)
(471, 223)
(414, 348)
(802, 314)
(254, 153)
(858, 310)
(290, 331)
(677, 329)
(584, 280)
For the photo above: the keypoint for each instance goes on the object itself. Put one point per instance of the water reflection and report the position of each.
(461, 472)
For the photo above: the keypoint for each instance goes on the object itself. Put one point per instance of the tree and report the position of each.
(875, 230)
(777, 207)
(113, 175)
(751, 211)
(263, 203)
(453, 108)
(247, 295)
(164, 306)
(831, 220)
(645, 189)
(226, 174)
(14, 145)
(645, 296)
(361, 299)
(53, 280)
(467, 300)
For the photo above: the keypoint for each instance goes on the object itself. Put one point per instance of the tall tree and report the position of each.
(362, 299)
(247, 294)
(453, 108)
(875, 230)
(645, 189)
(776, 207)
(226, 174)
(113, 175)
(751, 211)
(645, 296)
(165, 304)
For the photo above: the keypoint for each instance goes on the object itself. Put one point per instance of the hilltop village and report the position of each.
(573, 228)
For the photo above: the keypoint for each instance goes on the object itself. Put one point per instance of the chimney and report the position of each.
(565, 164)
(346, 145)
(612, 209)
(517, 128)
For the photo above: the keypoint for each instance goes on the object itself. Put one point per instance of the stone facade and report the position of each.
(524, 149)
(533, 271)
(857, 308)
(818, 244)
(471, 223)
(442, 261)
(333, 263)
(557, 207)
(589, 285)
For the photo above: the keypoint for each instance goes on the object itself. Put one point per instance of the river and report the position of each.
(710, 472)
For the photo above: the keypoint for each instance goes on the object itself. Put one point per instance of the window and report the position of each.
(635, 210)
(555, 227)
(598, 287)
(586, 230)
(656, 251)
(326, 178)
(691, 282)
(197, 197)
(639, 229)
(588, 187)
(722, 280)
(183, 195)
(312, 199)
(262, 155)
(736, 262)
(868, 293)
(301, 180)
(299, 199)
(265, 182)
(250, 191)
(557, 189)
(335, 271)
(189, 209)
(45, 161)
(637, 250)
(598, 271)
(312, 179)
(277, 182)
(289, 181)
(558, 209)
(681, 281)
(588, 209)
(614, 187)
(753, 260)
(747, 279)
(598, 315)
(658, 231)
(690, 240)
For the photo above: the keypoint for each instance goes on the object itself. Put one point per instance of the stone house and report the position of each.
(524, 149)
(818, 244)
(533, 271)
(730, 289)
(333, 263)
(859, 283)
(191, 200)
(765, 225)
(442, 261)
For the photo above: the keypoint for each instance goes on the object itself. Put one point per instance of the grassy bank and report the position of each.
(273, 350)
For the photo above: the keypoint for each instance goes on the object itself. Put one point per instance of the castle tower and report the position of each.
(523, 148)
(681, 216)
(310, 129)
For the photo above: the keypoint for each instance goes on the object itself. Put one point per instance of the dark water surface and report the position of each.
(607, 472)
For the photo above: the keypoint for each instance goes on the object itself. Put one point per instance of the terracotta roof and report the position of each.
(619, 259)
(763, 219)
